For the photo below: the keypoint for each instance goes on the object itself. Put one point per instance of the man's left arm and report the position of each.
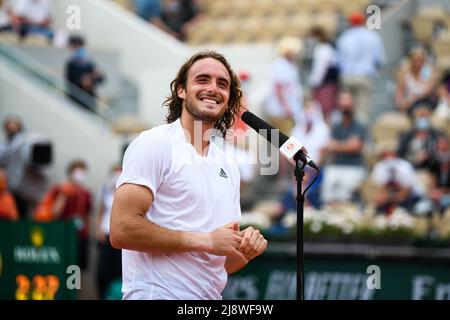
(252, 245)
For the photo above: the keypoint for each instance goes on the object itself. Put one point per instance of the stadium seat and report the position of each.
(441, 49)
(423, 28)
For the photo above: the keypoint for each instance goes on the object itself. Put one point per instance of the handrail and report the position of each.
(50, 78)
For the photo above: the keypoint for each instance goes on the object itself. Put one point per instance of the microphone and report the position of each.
(291, 148)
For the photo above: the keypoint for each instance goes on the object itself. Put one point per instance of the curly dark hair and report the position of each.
(175, 103)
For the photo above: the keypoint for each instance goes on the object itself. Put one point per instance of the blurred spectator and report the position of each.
(72, 201)
(324, 72)
(312, 130)
(27, 174)
(82, 75)
(416, 81)
(244, 77)
(5, 13)
(179, 16)
(315, 133)
(109, 264)
(284, 103)
(442, 110)
(396, 181)
(31, 17)
(344, 172)
(151, 11)
(418, 145)
(440, 170)
(360, 54)
(8, 209)
(147, 9)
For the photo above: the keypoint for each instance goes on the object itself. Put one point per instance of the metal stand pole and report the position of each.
(299, 173)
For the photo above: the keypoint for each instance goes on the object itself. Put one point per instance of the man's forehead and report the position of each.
(209, 66)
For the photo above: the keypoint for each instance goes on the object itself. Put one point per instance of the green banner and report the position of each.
(35, 260)
(273, 277)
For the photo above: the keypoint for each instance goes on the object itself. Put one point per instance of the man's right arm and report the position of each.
(130, 229)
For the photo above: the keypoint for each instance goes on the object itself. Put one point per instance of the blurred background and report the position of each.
(365, 85)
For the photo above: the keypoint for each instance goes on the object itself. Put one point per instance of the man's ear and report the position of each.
(181, 92)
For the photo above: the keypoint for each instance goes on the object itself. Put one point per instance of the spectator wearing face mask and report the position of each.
(396, 181)
(418, 145)
(344, 172)
(82, 75)
(314, 130)
(73, 202)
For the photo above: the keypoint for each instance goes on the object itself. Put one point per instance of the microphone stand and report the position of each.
(299, 173)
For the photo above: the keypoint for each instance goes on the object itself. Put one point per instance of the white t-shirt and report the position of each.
(360, 52)
(4, 16)
(35, 10)
(191, 193)
(245, 161)
(324, 57)
(286, 74)
(400, 170)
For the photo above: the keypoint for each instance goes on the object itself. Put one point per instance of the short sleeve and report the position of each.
(145, 162)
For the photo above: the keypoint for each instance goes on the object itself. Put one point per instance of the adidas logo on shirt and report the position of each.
(222, 173)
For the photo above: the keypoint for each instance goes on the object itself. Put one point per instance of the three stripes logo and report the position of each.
(223, 174)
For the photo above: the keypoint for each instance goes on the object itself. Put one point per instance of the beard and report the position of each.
(208, 116)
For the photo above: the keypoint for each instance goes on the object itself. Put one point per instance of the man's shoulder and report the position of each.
(357, 33)
(157, 139)
(159, 133)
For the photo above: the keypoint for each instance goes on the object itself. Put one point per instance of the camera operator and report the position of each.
(26, 158)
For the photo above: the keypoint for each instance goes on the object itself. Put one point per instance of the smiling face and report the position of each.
(207, 90)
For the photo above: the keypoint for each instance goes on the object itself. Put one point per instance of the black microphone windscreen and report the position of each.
(263, 128)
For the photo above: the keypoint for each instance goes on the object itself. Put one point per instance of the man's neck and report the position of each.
(197, 132)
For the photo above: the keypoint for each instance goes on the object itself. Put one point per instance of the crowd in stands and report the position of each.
(405, 160)
(329, 108)
(33, 17)
(25, 194)
(176, 17)
(26, 17)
